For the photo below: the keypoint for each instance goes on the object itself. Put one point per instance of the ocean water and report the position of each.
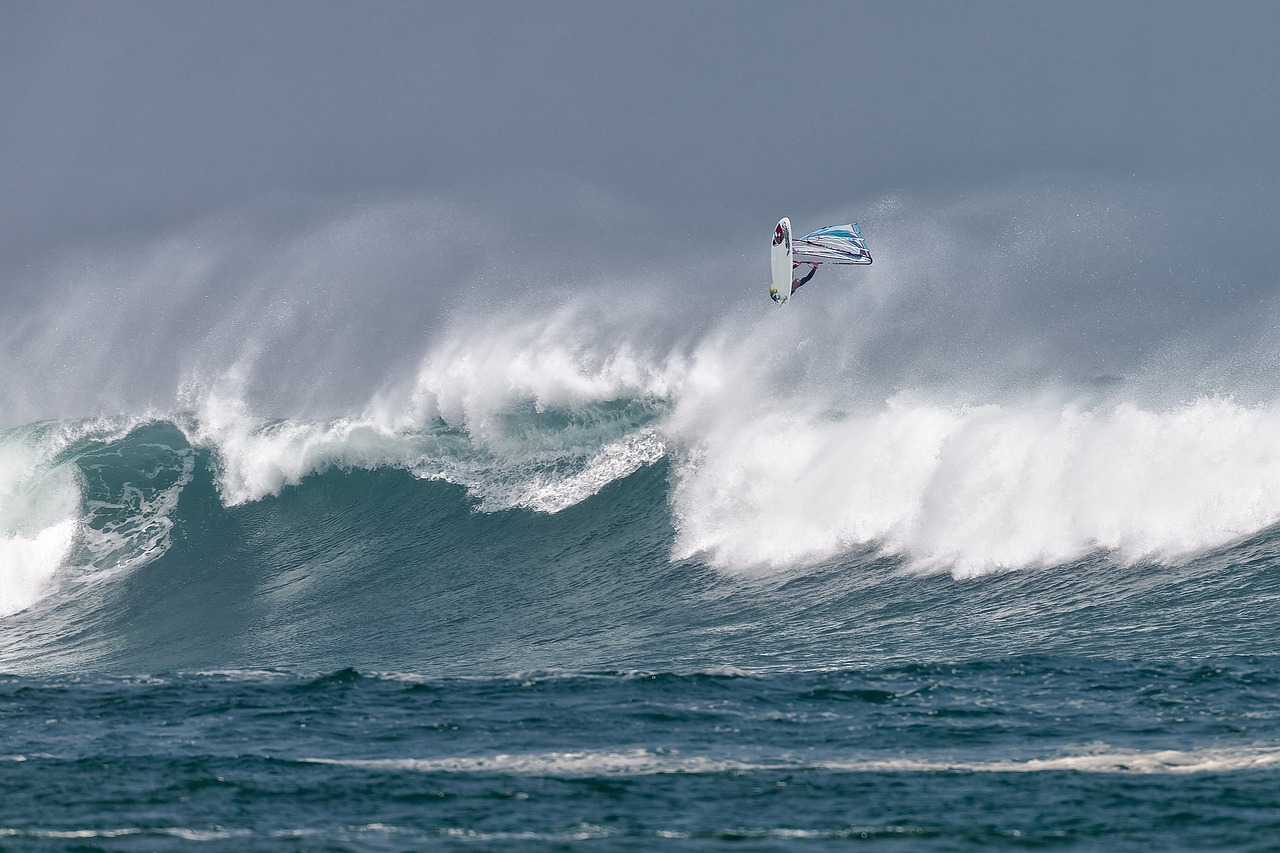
(878, 569)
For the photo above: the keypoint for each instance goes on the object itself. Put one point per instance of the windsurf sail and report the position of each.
(835, 244)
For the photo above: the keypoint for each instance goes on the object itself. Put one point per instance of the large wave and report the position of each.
(976, 402)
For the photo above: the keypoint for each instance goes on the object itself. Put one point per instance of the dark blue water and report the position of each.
(373, 657)
(1026, 751)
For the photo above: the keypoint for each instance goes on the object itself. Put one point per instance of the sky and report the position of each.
(125, 115)
(126, 123)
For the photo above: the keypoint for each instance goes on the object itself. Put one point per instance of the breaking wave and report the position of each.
(917, 422)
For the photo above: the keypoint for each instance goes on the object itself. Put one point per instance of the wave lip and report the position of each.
(525, 455)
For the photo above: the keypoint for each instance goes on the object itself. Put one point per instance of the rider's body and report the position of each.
(797, 283)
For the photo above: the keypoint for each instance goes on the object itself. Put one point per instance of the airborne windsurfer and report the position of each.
(835, 244)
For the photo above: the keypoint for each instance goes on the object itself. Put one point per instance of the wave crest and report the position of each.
(978, 489)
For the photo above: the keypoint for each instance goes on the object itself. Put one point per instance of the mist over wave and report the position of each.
(1009, 387)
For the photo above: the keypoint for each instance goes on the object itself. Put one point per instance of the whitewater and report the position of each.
(993, 518)
(888, 417)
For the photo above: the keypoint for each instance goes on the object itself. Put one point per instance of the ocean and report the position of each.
(879, 568)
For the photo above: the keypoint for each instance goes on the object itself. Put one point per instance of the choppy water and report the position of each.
(1027, 751)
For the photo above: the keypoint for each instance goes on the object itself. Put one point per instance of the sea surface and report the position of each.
(285, 568)
(381, 658)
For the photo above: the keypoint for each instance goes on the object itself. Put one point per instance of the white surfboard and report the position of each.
(780, 259)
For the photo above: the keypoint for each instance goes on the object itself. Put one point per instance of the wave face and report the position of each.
(602, 543)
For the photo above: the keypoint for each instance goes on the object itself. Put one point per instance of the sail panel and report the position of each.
(835, 244)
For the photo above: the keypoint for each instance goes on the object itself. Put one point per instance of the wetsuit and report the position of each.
(798, 283)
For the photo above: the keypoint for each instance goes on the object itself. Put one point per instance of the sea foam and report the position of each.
(39, 513)
(975, 489)
(645, 762)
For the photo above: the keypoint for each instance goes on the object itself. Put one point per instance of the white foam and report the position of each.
(643, 762)
(551, 493)
(39, 514)
(973, 489)
(258, 457)
(569, 358)
(184, 833)
(637, 762)
(70, 834)
(28, 564)
(473, 416)
(137, 529)
(1138, 762)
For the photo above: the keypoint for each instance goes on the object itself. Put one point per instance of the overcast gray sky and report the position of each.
(123, 123)
(129, 115)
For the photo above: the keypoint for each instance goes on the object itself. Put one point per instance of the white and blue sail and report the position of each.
(835, 244)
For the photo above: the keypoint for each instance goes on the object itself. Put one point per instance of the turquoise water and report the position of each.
(379, 658)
